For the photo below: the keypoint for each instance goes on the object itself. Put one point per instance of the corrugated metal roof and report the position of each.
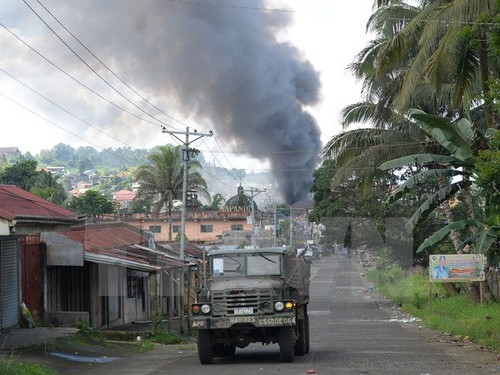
(98, 237)
(121, 244)
(124, 195)
(16, 203)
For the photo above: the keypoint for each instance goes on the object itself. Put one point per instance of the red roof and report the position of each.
(124, 195)
(17, 203)
(121, 242)
(97, 237)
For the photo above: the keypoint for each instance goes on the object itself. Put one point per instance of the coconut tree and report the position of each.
(162, 180)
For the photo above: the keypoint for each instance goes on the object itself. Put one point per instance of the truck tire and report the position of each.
(300, 344)
(286, 344)
(225, 350)
(205, 347)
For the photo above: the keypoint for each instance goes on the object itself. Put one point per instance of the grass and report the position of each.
(453, 314)
(11, 366)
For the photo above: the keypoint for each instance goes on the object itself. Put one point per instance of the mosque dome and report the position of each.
(240, 200)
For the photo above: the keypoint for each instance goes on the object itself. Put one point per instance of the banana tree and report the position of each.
(484, 238)
(453, 166)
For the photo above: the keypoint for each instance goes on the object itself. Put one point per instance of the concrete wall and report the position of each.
(65, 318)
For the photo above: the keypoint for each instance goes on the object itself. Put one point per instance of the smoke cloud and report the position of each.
(221, 64)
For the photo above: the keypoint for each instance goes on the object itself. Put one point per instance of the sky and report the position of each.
(268, 78)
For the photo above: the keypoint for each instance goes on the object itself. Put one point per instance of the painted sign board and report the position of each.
(456, 267)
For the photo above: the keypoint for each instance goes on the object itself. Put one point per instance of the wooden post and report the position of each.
(481, 292)
(170, 303)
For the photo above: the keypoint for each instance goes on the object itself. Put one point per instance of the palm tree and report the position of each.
(414, 61)
(217, 201)
(162, 180)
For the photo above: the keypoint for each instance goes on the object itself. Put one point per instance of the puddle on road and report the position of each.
(83, 359)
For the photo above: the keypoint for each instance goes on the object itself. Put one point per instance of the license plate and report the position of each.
(243, 310)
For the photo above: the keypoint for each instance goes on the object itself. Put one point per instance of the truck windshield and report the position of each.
(236, 265)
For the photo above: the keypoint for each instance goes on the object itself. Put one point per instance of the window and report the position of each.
(207, 228)
(237, 227)
(155, 228)
(176, 228)
(131, 284)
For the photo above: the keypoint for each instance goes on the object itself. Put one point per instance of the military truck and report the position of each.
(249, 296)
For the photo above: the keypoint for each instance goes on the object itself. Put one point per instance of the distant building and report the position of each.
(9, 151)
(55, 170)
(124, 198)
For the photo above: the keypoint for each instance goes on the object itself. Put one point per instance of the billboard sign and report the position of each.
(456, 267)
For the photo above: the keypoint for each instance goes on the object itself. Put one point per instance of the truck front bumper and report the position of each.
(204, 322)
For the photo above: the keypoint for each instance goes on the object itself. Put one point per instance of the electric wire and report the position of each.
(61, 127)
(62, 108)
(107, 67)
(93, 70)
(75, 79)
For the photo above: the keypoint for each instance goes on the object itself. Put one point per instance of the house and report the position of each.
(23, 217)
(106, 273)
(124, 198)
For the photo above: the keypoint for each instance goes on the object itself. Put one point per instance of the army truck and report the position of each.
(249, 296)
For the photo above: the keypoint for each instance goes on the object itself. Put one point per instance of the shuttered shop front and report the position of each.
(9, 283)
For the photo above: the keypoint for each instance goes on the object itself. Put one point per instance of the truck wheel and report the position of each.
(205, 347)
(225, 350)
(300, 344)
(286, 344)
(306, 329)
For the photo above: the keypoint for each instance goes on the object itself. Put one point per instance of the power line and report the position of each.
(75, 79)
(60, 107)
(92, 69)
(61, 127)
(107, 67)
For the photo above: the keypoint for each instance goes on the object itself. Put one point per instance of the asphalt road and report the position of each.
(353, 331)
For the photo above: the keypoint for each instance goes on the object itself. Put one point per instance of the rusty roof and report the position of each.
(128, 245)
(16, 204)
(100, 236)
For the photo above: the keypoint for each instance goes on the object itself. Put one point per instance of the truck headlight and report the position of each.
(279, 306)
(205, 309)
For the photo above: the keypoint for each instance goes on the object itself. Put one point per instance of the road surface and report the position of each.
(353, 331)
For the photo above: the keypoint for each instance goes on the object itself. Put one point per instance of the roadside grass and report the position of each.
(11, 366)
(453, 314)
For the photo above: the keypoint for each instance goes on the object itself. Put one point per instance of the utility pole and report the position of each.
(254, 193)
(185, 159)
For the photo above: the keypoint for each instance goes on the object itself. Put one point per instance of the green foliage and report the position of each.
(92, 203)
(160, 335)
(454, 314)
(488, 172)
(49, 188)
(11, 366)
(87, 332)
(22, 174)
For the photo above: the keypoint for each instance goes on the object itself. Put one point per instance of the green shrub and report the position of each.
(11, 366)
(456, 314)
(86, 331)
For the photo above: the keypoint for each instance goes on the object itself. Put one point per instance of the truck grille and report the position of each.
(225, 303)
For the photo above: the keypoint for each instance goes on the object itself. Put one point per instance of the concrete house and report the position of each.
(106, 273)
(23, 217)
